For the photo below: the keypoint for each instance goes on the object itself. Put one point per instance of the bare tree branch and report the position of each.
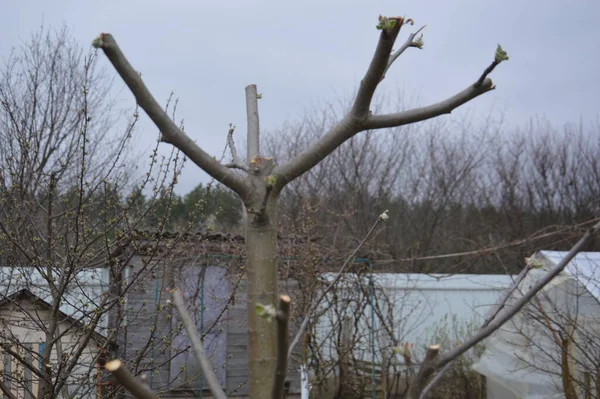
(508, 294)
(171, 132)
(360, 118)
(408, 43)
(20, 359)
(511, 311)
(6, 390)
(231, 144)
(196, 341)
(378, 66)
(253, 122)
(435, 380)
(135, 387)
(430, 111)
(283, 315)
(518, 305)
(427, 368)
(234, 165)
(338, 276)
(336, 136)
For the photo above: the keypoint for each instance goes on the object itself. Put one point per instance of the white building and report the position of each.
(26, 310)
(402, 311)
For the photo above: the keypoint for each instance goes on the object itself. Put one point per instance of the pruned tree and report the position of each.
(262, 180)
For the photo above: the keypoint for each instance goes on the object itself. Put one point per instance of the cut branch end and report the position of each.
(125, 378)
(99, 41)
(283, 314)
(113, 365)
(432, 353)
(285, 298)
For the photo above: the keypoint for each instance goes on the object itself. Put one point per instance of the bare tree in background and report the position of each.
(462, 197)
(69, 219)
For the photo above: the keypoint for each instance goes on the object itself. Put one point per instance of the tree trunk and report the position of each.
(261, 252)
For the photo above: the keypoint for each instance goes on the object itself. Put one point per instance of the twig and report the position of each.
(315, 304)
(6, 348)
(234, 165)
(231, 144)
(6, 390)
(135, 387)
(283, 315)
(485, 73)
(196, 341)
(435, 380)
(487, 250)
(408, 43)
(500, 56)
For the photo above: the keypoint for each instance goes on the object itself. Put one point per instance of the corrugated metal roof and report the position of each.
(437, 281)
(82, 296)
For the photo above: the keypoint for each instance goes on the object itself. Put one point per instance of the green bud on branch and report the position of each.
(266, 312)
(386, 23)
(501, 55)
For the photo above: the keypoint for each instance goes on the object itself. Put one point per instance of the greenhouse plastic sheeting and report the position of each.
(500, 365)
(510, 362)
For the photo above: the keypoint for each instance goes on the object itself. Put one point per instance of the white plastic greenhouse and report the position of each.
(416, 307)
(528, 356)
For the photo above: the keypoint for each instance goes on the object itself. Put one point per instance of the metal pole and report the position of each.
(372, 332)
(202, 324)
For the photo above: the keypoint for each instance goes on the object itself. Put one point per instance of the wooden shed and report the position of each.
(209, 269)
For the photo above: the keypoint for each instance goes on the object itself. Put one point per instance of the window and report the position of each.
(15, 374)
(41, 354)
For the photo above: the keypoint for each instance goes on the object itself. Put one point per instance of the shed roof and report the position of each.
(468, 282)
(80, 300)
(27, 294)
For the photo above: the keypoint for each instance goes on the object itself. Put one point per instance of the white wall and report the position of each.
(15, 324)
(417, 303)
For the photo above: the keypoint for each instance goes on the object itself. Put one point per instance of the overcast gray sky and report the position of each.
(306, 52)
